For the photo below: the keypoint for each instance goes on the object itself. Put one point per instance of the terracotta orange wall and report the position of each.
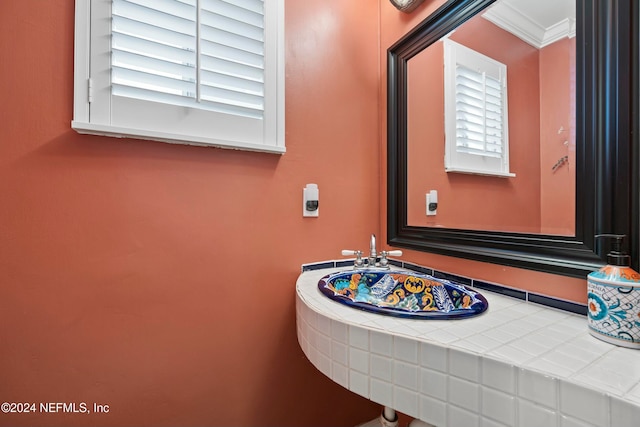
(393, 25)
(159, 279)
(557, 102)
(474, 201)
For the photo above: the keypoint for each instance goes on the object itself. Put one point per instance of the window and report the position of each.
(203, 72)
(476, 122)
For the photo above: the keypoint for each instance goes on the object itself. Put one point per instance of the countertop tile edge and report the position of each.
(313, 300)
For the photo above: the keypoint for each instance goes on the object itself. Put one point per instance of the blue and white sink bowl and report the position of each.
(402, 294)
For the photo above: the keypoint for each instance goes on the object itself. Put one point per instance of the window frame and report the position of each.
(268, 136)
(459, 161)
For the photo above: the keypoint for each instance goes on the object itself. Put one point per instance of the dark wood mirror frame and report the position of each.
(607, 177)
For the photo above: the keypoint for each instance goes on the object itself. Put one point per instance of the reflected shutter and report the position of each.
(479, 113)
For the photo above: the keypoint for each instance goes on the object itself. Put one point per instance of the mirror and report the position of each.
(539, 125)
(603, 163)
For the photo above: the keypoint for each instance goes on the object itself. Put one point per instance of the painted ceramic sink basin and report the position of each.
(402, 294)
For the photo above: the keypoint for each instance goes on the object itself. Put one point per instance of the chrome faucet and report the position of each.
(373, 254)
(372, 259)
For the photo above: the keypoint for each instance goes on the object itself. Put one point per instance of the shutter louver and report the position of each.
(204, 54)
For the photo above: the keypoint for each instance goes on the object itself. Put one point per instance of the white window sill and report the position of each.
(480, 172)
(122, 132)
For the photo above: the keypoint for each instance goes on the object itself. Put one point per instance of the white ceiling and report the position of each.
(538, 22)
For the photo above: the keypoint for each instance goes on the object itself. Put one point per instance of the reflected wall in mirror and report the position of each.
(536, 43)
(605, 102)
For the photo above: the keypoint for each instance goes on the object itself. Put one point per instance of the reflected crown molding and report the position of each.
(533, 31)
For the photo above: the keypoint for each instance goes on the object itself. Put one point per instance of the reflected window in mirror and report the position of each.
(476, 114)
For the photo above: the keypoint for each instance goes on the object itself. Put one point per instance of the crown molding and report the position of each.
(512, 20)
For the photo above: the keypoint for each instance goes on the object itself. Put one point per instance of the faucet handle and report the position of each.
(384, 262)
(396, 252)
(358, 262)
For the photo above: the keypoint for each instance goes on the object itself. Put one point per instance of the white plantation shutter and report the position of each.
(479, 113)
(205, 54)
(476, 119)
(153, 50)
(232, 55)
(195, 71)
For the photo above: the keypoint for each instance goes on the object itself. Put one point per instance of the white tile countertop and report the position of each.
(519, 364)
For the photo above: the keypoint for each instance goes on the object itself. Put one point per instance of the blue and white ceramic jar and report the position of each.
(614, 305)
